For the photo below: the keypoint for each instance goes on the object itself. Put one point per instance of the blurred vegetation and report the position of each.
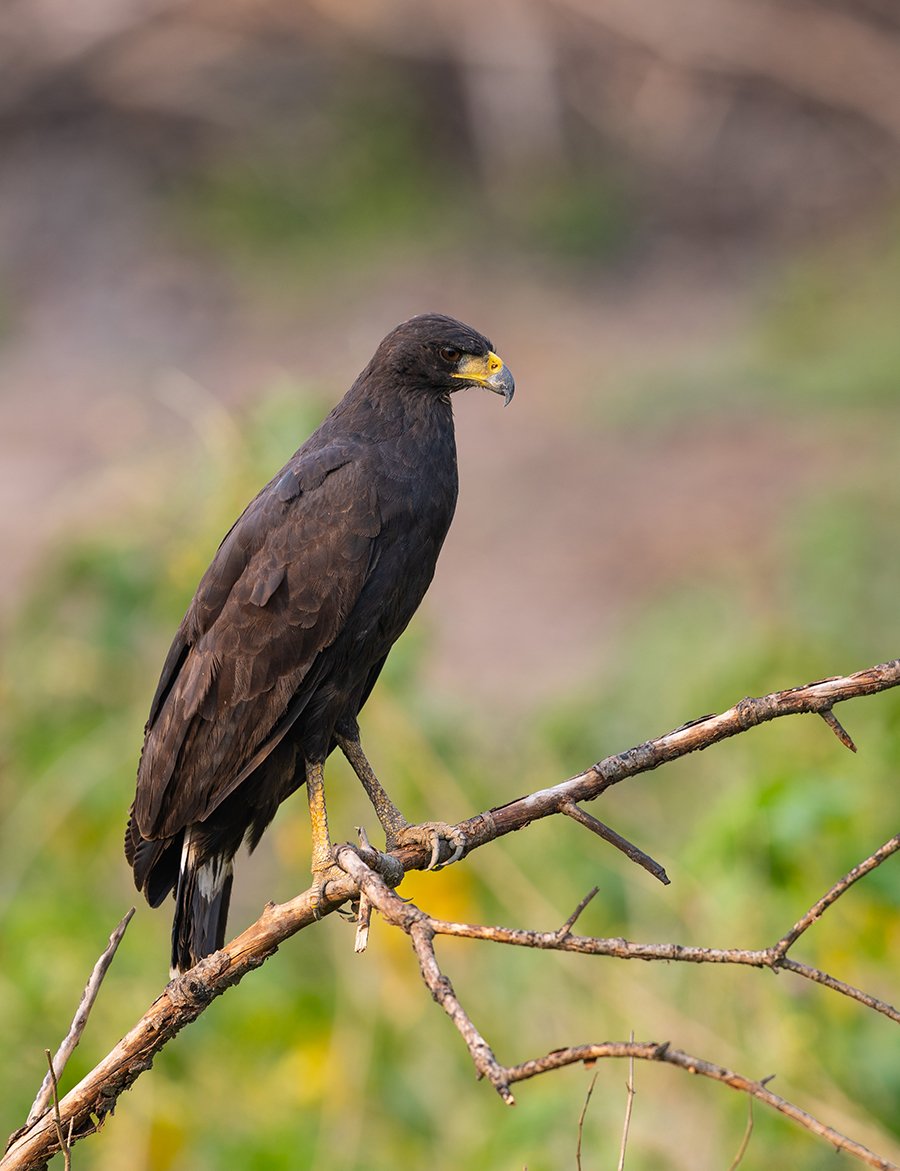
(829, 335)
(372, 174)
(360, 176)
(823, 345)
(324, 1059)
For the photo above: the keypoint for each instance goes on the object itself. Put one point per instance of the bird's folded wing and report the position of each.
(274, 598)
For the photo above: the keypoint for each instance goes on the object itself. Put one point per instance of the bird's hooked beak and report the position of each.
(487, 370)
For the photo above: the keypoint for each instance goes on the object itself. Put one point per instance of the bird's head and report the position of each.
(436, 353)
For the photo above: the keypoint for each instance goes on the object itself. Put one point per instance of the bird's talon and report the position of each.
(458, 850)
(322, 876)
(390, 869)
(433, 834)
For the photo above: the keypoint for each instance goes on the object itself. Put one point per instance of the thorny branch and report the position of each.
(83, 1108)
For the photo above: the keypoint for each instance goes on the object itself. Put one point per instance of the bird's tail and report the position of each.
(202, 895)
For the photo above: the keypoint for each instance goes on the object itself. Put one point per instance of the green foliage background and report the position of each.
(324, 1059)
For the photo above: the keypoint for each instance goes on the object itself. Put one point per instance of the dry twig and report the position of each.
(570, 809)
(581, 1118)
(629, 1106)
(71, 1039)
(745, 1140)
(65, 1143)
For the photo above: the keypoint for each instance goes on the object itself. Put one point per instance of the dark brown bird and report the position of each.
(291, 625)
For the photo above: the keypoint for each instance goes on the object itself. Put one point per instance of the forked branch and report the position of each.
(774, 957)
(422, 930)
(185, 998)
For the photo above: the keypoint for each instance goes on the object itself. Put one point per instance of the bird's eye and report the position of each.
(450, 355)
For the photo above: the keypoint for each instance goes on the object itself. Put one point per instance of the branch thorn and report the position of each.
(835, 725)
(629, 849)
(570, 922)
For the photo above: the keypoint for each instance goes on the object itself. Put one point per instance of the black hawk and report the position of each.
(291, 625)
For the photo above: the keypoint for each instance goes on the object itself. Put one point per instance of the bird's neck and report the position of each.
(420, 415)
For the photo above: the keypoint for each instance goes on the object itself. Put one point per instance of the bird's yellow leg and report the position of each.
(397, 830)
(323, 865)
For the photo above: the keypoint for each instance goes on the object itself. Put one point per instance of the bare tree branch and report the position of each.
(186, 997)
(691, 737)
(818, 908)
(421, 929)
(653, 1051)
(774, 957)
